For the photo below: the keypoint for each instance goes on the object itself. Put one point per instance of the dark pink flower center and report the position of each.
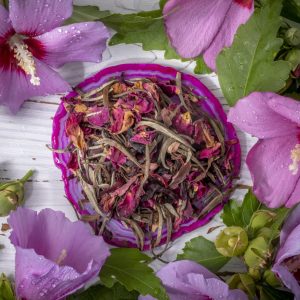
(245, 3)
(8, 60)
(293, 265)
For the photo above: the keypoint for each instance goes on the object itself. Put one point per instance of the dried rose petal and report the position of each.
(144, 137)
(129, 203)
(116, 157)
(183, 123)
(98, 116)
(73, 162)
(123, 120)
(168, 88)
(74, 131)
(210, 152)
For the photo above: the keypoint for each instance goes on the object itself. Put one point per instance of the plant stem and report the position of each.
(27, 175)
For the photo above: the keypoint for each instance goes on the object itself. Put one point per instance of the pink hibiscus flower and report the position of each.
(274, 160)
(31, 43)
(204, 27)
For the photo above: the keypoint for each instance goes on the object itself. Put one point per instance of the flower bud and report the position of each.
(266, 233)
(232, 241)
(261, 218)
(257, 253)
(6, 290)
(293, 57)
(292, 36)
(255, 273)
(243, 282)
(270, 278)
(12, 194)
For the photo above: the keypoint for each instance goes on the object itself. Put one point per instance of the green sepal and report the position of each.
(243, 282)
(6, 290)
(232, 241)
(261, 219)
(257, 253)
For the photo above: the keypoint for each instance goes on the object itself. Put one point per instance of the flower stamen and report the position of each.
(295, 157)
(62, 257)
(24, 59)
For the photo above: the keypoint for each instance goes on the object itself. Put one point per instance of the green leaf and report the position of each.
(86, 14)
(203, 252)
(249, 206)
(291, 10)
(129, 267)
(249, 64)
(281, 214)
(201, 67)
(162, 3)
(145, 28)
(234, 215)
(270, 293)
(117, 292)
(6, 290)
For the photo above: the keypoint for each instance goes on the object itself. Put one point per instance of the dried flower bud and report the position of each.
(12, 194)
(293, 57)
(270, 278)
(292, 36)
(261, 218)
(232, 241)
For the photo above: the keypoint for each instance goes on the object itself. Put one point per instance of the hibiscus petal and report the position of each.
(215, 288)
(269, 162)
(192, 25)
(5, 24)
(40, 240)
(173, 276)
(209, 287)
(51, 83)
(76, 42)
(38, 278)
(254, 115)
(288, 279)
(291, 222)
(286, 107)
(295, 197)
(188, 280)
(291, 246)
(236, 16)
(34, 17)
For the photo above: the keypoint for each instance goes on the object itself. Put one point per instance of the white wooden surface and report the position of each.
(23, 136)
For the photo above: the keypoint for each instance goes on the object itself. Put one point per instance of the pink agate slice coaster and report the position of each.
(116, 233)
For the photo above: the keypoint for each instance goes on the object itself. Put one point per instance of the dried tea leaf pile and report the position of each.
(147, 154)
